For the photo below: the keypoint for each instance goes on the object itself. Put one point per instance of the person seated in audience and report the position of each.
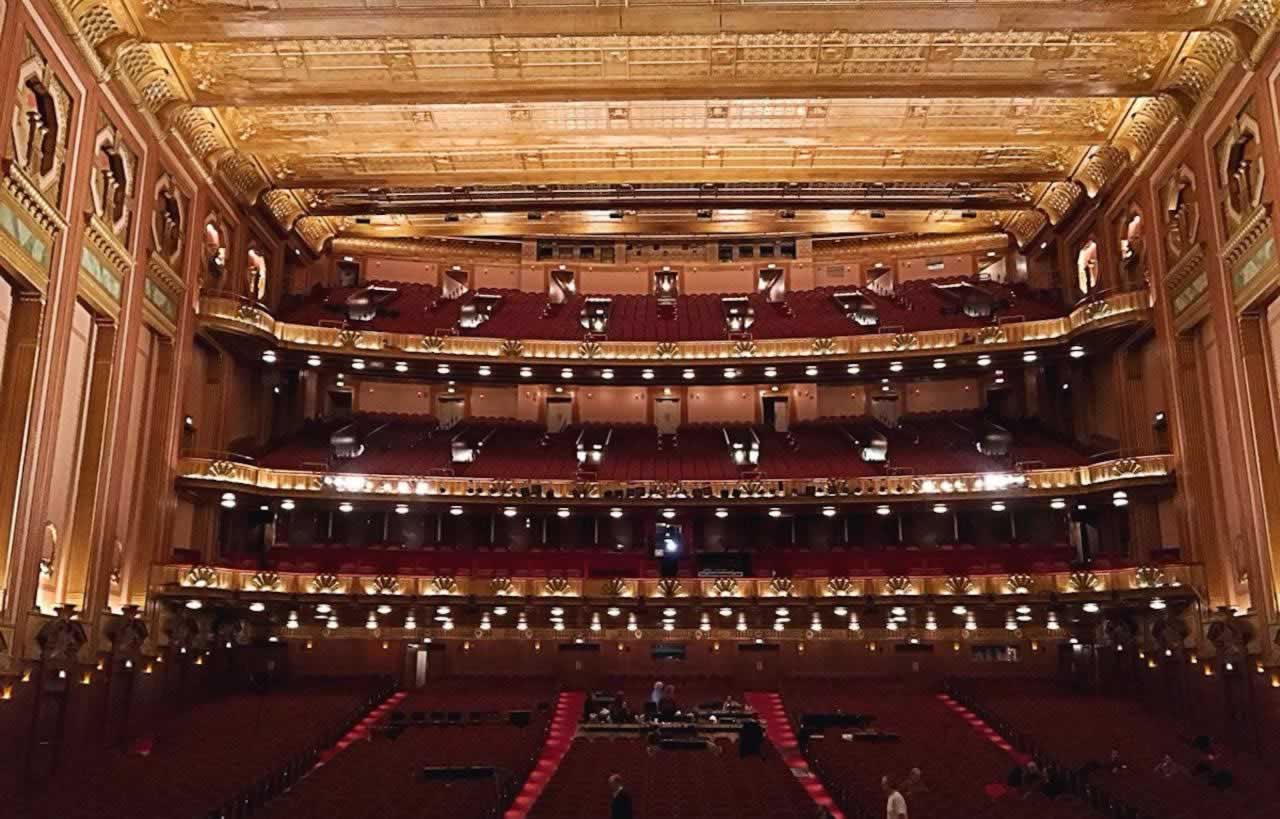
(730, 704)
(913, 784)
(620, 806)
(1168, 768)
(1115, 764)
(619, 711)
(895, 803)
(751, 739)
(667, 703)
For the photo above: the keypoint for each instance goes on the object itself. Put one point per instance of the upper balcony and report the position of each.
(918, 324)
(926, 456)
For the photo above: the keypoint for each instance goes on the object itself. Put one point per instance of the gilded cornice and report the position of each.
(455, 250)
(1060, 199)
(1026, 225)
(839, 249)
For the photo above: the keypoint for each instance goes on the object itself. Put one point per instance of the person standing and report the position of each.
(620, 799)
(895, 805)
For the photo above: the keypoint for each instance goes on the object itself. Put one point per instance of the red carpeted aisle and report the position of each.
(979, 725)
(363, 727)
(564, 724)
(768, 705)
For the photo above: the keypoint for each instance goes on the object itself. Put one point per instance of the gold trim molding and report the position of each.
(238, 315)
(224, 473)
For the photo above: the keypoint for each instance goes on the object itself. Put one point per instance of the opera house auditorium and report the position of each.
(639, 409)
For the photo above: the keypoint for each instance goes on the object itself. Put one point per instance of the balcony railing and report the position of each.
(237, 314)
(226, 474)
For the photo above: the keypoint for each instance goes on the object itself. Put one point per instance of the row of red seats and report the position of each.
(683, 784)
(1077, 729)
(932, 443)
(937, 561)
(203, 757)
(378, 777)
(963, 771)
(917, 305)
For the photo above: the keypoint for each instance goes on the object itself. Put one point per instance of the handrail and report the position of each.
(252, 797)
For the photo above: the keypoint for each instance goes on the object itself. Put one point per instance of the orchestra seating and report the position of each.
(673, 784)
(923, 443)
(964, 772)
(916, 305)
(381, 778)
(943, 561)
(207, 755)
(1078, 731)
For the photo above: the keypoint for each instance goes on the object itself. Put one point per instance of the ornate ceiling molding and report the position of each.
(1124, 49)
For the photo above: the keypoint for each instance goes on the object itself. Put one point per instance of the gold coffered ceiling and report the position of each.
(410, 109)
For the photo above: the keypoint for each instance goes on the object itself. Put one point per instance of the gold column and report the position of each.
(91, 478)
(1195, 480)
(16, 390)
(1260, 433)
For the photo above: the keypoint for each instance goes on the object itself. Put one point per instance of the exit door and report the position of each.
(559, 413)
(666, 415)
(775, 411)
(450, 409)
